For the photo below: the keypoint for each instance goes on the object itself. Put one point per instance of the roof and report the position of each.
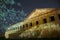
(39, 12)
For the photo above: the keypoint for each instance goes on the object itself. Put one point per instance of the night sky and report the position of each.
(30, 4)
(14, 11)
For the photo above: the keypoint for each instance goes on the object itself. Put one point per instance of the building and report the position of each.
(39, 19)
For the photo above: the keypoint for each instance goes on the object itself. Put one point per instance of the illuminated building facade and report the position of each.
(40, 22)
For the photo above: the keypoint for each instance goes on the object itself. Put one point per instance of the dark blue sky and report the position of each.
(30, 4)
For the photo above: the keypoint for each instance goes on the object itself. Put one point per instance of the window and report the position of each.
(15, 28)
(26, 25)
(37, 22)
(59, 16)
(20, 27)
(52, 18)
(23, 26)
(44, 20)
(30, 24)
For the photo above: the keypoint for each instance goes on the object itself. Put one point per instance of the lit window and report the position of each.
(52, 18)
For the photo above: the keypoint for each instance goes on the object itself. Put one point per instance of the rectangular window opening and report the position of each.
(23, 26)
(45, 20)
(59, 16)
(26, 25)
(30, 24)
(37, 22)
(52, 18)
